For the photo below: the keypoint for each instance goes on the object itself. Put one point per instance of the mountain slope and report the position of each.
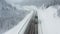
(9, 16)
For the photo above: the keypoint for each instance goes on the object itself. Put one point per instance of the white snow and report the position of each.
(21, 27)
(50, 22)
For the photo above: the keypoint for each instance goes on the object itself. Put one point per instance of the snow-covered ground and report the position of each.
(21, 27)
(50, 22)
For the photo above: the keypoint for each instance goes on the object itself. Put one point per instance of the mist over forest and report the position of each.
(10, 16)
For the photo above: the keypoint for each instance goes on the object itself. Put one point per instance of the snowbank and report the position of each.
(50, 22)
(21, 27)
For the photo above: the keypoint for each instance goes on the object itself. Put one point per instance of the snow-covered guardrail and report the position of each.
(21, 27)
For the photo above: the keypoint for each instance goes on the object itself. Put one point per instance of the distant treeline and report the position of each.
(52, 2)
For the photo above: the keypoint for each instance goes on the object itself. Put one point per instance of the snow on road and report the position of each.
(50, 22)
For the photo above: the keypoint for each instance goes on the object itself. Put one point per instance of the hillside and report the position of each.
(9, 16)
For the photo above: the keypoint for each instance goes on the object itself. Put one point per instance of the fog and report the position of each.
(13, 11)
(10, 16)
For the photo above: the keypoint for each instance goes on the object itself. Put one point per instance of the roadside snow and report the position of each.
(21, 27)
(50, 22)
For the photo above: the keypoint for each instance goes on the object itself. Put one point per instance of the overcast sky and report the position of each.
(29, 2)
